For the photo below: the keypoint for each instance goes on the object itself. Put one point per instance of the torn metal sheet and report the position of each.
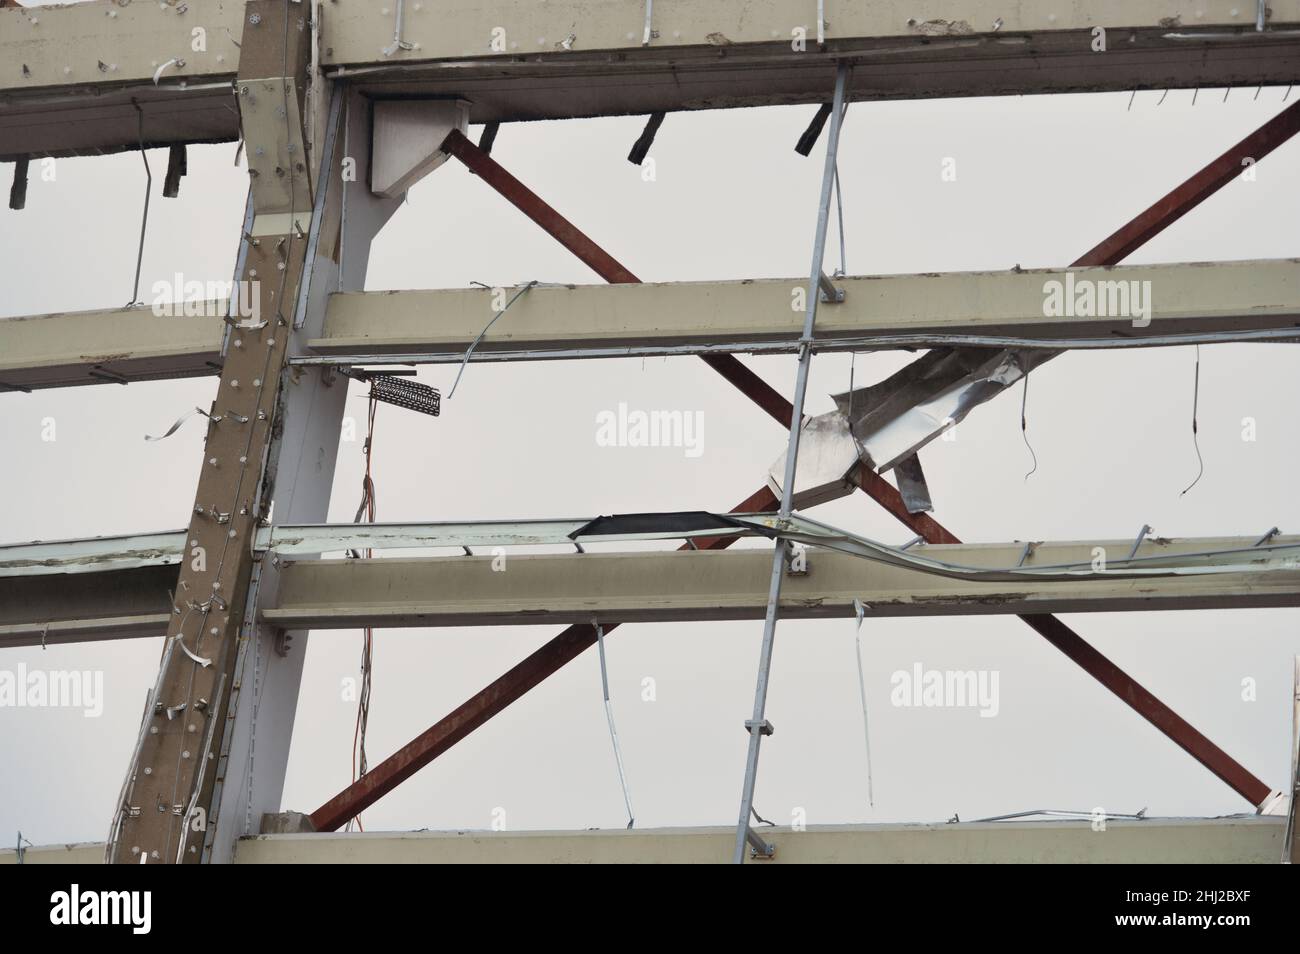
(101, 554)
(828, 454)
(896, 418)
(912, 486)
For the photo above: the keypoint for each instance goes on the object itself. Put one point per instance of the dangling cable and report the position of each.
(144, 221)
(1196, 442)
(839, 203)
(484, 332)
(853, 363)
(839, 206)
(859, 610)
(609, 716)
(367, 509)
(1024, 428)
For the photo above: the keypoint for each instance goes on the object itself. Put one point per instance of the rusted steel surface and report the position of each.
(483, 705)
(1194, 191)
(1133, 694)
(882, 492)
(531, 204)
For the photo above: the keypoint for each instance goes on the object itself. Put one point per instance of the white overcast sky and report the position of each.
(1040, 180)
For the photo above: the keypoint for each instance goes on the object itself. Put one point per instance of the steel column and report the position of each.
(169, 787)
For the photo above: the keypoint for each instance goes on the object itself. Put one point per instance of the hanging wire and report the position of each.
(839, 203)
(859, 609)
(853, 363)
(484, 332)
(144, 220)
(1196, 400)
(839, 206)
(367, 509)
(1024, 428)
(609, 717)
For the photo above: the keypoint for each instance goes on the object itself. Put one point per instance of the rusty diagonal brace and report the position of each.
(574, 640)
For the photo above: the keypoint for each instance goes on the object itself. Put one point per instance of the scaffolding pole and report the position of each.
(758, 726)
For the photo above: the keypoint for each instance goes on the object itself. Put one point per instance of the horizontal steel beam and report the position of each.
(113, 346)
(1233, 840)
(1187, 302)
(114, 604)
(878, 312)
(129, 601)
(71, 73)
(701, 585)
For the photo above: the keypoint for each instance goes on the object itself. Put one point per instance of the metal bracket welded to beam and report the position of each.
(829, 293)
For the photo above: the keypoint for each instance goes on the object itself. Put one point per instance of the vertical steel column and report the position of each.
(758, 725)
(254, 753)
(170, 786)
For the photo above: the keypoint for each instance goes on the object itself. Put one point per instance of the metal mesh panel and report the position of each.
(406, 393)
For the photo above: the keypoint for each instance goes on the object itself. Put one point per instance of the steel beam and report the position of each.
(168, 795)
(104, 347)
(1251, 300)
(301, 475)
(1232, 840)
(60, 603)
(878, 312)
(666, 586)
(77, 68)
